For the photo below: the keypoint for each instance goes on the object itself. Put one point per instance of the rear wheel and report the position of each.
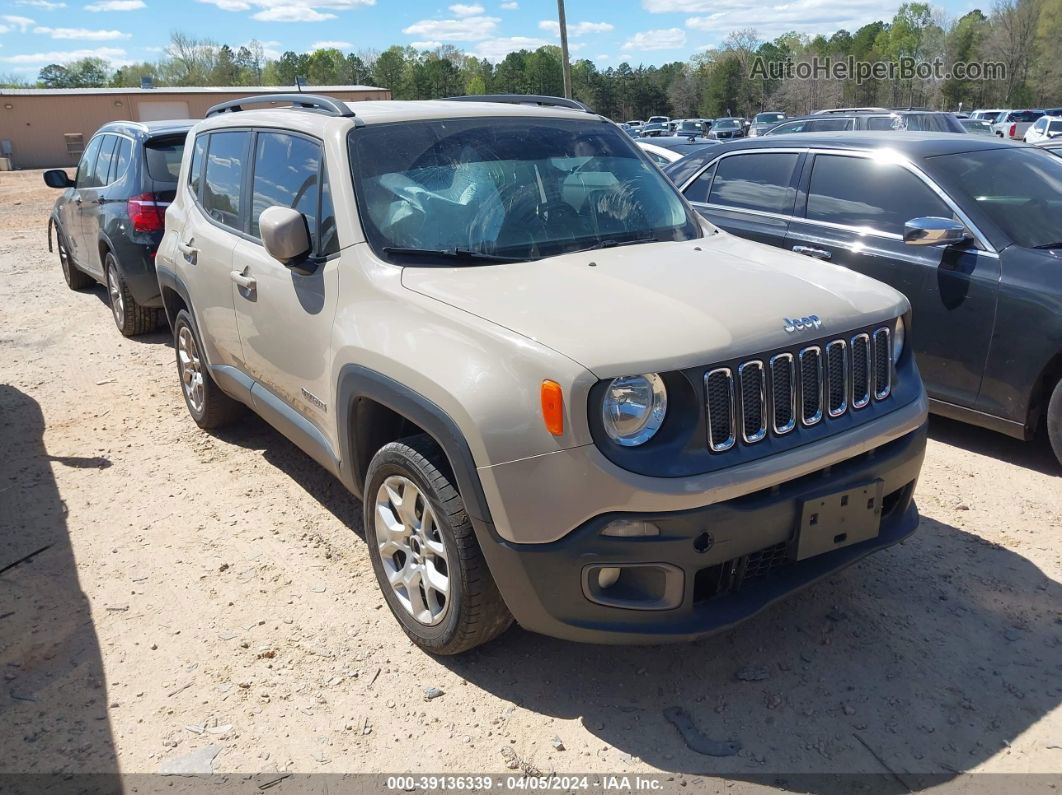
(424, 550)
(130, 317)
(208, 405)
(75, 279)
(1054, 420)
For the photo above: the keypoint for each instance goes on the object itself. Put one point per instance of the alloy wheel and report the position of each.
(114, 290)
(411, 547)
(191, 368)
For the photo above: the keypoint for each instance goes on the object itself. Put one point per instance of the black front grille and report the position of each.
(748, 400)
(837, 377)
(753, 400)
(882, 370)
(760, 564)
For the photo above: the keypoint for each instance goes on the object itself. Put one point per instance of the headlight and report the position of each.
(634, 408)
(898, 340)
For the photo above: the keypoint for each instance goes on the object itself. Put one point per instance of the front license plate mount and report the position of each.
(839, 520)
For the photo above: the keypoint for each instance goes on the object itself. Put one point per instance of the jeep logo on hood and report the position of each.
(800, 323)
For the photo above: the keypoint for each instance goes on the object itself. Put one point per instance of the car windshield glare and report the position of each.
(1019, 189)
(509, 187)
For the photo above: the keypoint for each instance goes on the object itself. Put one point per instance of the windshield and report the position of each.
(690, 125)
(520, 188)
(765, 118)
(1020, 189)
(726, 124)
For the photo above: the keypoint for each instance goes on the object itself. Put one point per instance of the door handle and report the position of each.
(246, 282)
(188, 252)
(817, 253)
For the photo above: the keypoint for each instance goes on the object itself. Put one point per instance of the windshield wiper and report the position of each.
(1049, 245)
(616, 244)
(459, 254)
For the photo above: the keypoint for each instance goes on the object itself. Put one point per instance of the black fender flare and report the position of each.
(357, 382)
(168, 279)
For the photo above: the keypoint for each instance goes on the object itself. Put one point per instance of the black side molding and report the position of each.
(357, 382)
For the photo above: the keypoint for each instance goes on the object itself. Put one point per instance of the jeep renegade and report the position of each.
(562, 397)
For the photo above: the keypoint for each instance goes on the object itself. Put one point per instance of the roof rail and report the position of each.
(311, 102)
(525, 99)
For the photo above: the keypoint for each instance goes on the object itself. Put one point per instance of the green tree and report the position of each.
(389, 69)
(55, 76)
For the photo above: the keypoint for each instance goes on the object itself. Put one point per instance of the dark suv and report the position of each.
(109, 220)
(969, 228)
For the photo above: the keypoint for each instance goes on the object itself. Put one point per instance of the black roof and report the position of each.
(149, 128)
(910, 144)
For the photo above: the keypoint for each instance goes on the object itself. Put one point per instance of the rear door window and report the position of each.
(120, 161)
(223, 191)
(287, 172)
(859, 192)
(699, 188)
(757, 181)
(195, 169)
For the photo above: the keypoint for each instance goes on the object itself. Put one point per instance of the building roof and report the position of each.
(46, 92)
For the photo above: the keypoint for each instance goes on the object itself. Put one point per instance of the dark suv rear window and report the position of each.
(163, 157)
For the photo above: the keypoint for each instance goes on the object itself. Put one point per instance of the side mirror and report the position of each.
(933, 231)
(57, 178)
(284, 234)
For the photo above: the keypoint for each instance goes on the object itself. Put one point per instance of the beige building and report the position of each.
(46, 127)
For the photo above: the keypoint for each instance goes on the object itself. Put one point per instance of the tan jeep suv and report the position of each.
(561, 396)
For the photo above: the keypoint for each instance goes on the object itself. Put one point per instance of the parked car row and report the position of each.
(423, 297)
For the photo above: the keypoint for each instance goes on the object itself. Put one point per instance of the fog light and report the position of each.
(630, 528)
(607, 577)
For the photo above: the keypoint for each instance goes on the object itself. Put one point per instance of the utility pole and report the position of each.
(566, 67)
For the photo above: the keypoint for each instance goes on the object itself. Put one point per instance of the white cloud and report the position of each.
(497, 49)
(462, 10)
(330, 45)
(425, 45)
(663, 39)
(22, 23)
(115, 55)
(510, 6)
(270, 49)
(82, 34)
(575, 29)
(801, 16)
(47, 5)
(465, 29)
(292, 14)
(289, 10)
(602, 57)
(115, 5)
(679, 6)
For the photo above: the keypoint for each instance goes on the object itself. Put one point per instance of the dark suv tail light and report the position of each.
(147, 213)
(1014, 131)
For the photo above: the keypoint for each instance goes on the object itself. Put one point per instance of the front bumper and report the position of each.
(743, 567)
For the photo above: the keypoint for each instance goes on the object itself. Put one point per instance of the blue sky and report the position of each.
(34, 33)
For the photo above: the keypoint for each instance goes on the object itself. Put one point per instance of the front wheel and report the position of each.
(1054, 420)
(424, 550)
(75, 279)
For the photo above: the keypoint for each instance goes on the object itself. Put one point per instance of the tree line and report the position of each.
(1021, 35)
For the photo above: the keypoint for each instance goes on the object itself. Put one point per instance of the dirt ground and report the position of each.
(199, 590)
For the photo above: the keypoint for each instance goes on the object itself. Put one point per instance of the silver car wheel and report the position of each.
(115, 292)
(412, 550)
(191, 369)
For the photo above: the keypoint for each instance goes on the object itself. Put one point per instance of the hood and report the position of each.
(663, 306)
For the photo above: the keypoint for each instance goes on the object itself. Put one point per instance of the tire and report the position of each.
(75, 279)
(470, 611)
(130, 317)
(208, 405)
(1054, 420)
